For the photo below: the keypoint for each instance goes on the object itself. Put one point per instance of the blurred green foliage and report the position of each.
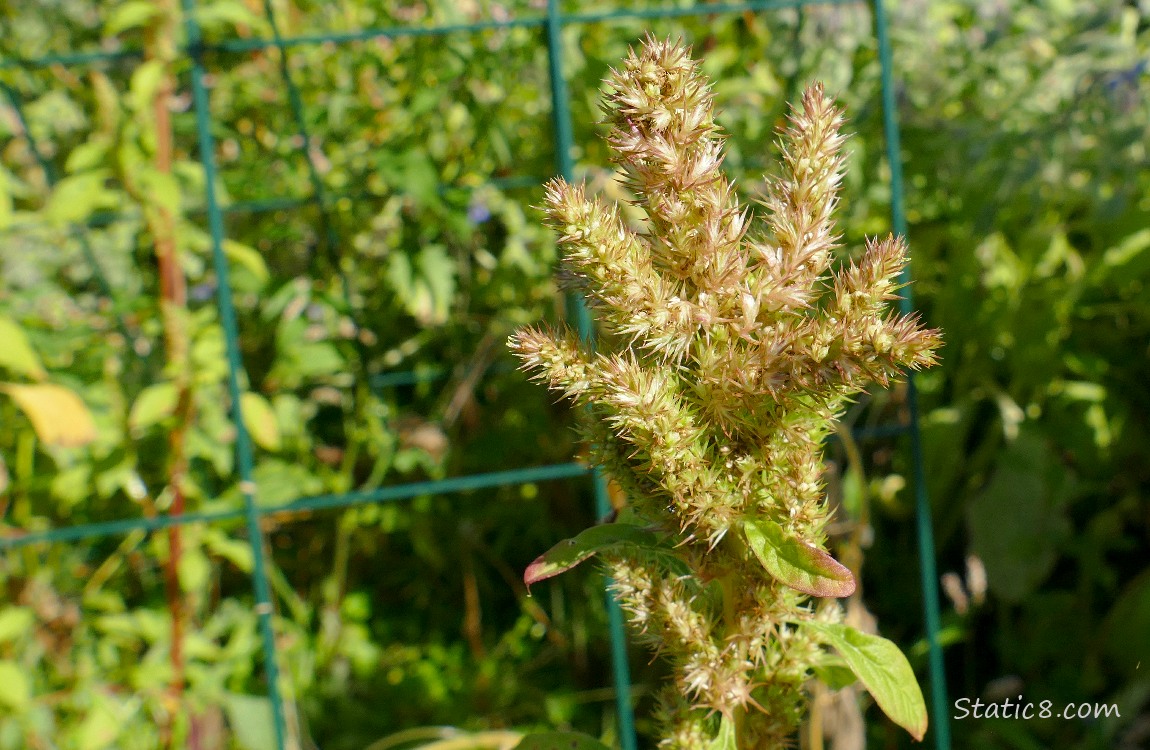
(1024, 135)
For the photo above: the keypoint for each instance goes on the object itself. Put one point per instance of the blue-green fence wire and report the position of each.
(552, 24)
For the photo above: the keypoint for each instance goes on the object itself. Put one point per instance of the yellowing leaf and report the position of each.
(796, 563)
(16, 353)
(57, 414)
(260, 421)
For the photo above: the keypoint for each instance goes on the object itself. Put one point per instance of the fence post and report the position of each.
(925, 527)
(244, 460)
(564, 140)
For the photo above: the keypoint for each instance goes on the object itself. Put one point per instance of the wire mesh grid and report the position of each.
(552, 24)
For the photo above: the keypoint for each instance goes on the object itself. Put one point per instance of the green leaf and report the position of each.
(7, 210)
(239, 553)
(131, 15)
(560, 741)
(260, 421)
(797, 564)
(154, 404)
(247, 257)
(1126, 626)
(57, 414)
(227, 14)
(834, 676)
(251, 720)
(725, 739)
(88, 155)
(438, 271)
(882, 669)
(146, 81)
(15, 622)
(77, 197)
(161, 190)
(492, 740)
(1017, 522)
(194, 570)
(16, 352)
(279, 482)
(414, 173)
(102, 726)
(570, 552)
(15, 691)
(1125, 251)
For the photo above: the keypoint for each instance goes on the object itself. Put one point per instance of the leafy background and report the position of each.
(1024, 136)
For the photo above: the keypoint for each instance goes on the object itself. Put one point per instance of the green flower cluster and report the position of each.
(726, 354)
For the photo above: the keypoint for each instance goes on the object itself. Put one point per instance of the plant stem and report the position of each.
(173, 304)
(729, 584)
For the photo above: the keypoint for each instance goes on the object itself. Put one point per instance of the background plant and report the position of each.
(1022, 128)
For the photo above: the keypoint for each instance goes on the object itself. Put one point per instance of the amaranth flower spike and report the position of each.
(727, 352)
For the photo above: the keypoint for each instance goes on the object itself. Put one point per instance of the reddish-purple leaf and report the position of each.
(796, 563)
(570, 552)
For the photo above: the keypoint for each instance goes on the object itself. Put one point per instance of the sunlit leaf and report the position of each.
(162, 190)
(238, 552)
(6, 208)
(146, 81)
(16, 352)
(260, 421)
(725, 739)
(15, 622)
(225, 14)
(247, 257)
(15, 690)
(77, 197)
(57, 414)
(194, 570)
(834, 676)
(252, 721)
(88, 155)
(796, 563)
(131, 15)
(882, 669)
(102, 724)
(154, 404)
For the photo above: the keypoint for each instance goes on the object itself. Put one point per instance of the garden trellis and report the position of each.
(550, 25)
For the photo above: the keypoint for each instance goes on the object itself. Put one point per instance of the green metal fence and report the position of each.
(551, 24)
